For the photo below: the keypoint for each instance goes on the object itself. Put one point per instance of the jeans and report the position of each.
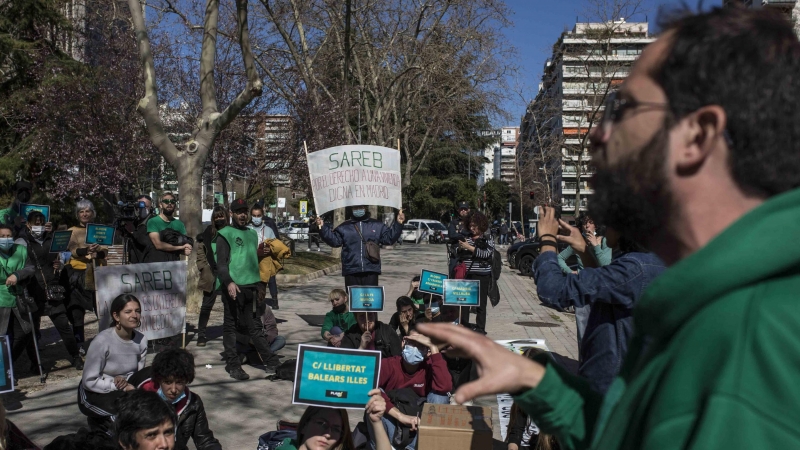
(209, 298)
(239, 316)
(390, 425)
(277, 344)
(502, 239)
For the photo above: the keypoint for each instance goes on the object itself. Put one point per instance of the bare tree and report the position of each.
(188, 159)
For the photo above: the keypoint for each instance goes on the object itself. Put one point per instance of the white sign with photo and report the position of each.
(160, 288)
(353, 175)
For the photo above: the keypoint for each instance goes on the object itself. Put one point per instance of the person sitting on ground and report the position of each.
(114, 355)
(338, 319)
(522, 433)
(371, 334)
(433, 311)
(144, 422)
(329, 428)
(418, 297)
(244, 345)
(169, 376)
(422, 369)
(405, 318)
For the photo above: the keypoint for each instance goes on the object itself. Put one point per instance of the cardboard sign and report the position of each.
(160, 288)
(6, 366)
(27, 209)
(99, 234)
(330, 376)
(432, 282)
(60, 241)
(353, 175)
(455, 427)
(366, 298)
(461, 292)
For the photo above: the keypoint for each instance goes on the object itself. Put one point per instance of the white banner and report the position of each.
(352, 175)
(160, 288)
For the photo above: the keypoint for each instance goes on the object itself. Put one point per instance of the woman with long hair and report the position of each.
(477, 254)
(114, 355)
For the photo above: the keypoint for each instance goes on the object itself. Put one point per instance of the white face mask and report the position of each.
(257, 221)
(37, 231)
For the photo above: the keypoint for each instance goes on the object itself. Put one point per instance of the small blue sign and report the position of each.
(334, 377)
(366, 298)
(60, 241)
(6, 366)
(99, 234)
(461, 292)
(431, 282)
(26, 209)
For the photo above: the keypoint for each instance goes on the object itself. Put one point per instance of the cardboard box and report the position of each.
(455, 427)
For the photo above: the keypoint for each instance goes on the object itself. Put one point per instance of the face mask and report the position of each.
(164, 397)
(257, 221)
(6, 243)
(359, 212)
(412, 355)
(144, 213)
(220, 223)
(434, 310)
(37, 231)
(340, 309)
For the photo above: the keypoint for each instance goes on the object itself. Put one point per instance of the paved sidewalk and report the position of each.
(240, 411)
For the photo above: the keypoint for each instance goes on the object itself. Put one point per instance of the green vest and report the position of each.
(217, 283)
(15, 262)
(243, 267)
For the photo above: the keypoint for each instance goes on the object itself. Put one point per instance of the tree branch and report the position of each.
(208, 56)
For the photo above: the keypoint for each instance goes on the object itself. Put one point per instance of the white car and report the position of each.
(418, 230)
(296, 230)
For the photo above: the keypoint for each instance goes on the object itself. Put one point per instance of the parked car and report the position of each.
(295, 229)
(417, 229)
(526, 253)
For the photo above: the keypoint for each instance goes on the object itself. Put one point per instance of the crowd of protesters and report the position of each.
(687, 298)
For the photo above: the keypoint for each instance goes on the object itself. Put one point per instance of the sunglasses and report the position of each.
(169, 201)
(614, 109)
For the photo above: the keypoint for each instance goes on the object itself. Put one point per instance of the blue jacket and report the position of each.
(612, 291)
(354, 255)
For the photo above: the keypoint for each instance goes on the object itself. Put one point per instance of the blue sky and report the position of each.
(537, 24)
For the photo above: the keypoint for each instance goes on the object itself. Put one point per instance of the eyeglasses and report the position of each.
(169, 201)
(615, 107)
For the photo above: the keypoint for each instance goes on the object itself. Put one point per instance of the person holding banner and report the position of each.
(114, 355)
(209, 281)
(476, 255)
(237, 265)
(359, 267)
(329, 428)
(37, 237)
(80, 270)
(338, 319)
(371, 334)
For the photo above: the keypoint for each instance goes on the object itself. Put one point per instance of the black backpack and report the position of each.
(285, 370)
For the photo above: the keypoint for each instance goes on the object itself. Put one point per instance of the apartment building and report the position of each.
(587, 63)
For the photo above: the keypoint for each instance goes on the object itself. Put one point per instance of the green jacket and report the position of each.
(344, 321)
(715, 358)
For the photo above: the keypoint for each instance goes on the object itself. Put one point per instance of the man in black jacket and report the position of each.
(169, 376)
(140, 242)
(371, 334)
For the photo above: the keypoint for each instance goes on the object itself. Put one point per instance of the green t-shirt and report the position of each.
(157, 224)
(243, 265)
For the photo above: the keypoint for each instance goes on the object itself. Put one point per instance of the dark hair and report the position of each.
(404, 301)
(219, 209)
(118, 304)
(33, 215)
(174, 363)
(480, 221)
(140, 410)
(257, 206)
(345, 442)
(747, 62)
(4, 226)
(582, 220)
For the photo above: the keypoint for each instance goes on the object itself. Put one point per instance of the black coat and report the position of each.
(386, 340)
(44, 277)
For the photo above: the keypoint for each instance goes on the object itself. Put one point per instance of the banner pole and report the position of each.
(305, 147)
(461, 315)
(398, 144)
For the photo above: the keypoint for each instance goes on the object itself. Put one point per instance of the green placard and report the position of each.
(26, 209)
(329, 376)
(60, 241)
(461, 292)
(431, 282)
(366, 298)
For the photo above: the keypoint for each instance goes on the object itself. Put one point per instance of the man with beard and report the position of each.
(610, 291)
(697, 159)
(162, 251)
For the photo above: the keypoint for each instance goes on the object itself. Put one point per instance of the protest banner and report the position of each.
(352, 175)
(366, 298)
(6, 366)
(99, 234)
(26, 209)
(461, 292)
(330, 376)
(60, 241)
(160, 288)
(432, 282)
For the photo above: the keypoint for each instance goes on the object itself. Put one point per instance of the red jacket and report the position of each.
(432, 376)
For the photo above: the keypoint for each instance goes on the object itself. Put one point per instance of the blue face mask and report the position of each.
(6, 243)
(412, 355)
(257, 221)
(359, 212)
(164, 397)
